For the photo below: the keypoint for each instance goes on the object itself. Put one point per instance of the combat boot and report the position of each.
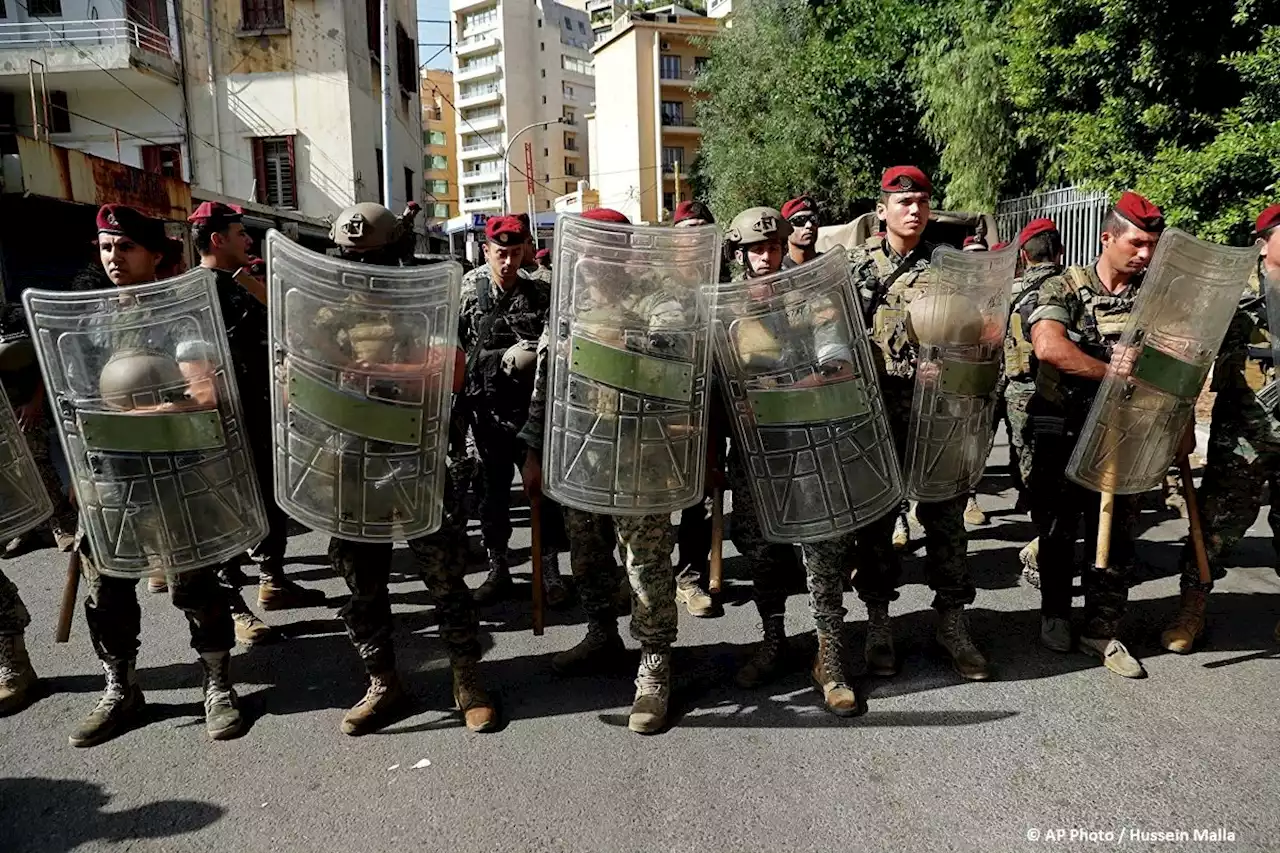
(1114, 655)
(221, 705)
(953, 636)
(973, 514)
(157, 584)
(497, 585)
(277, 592)
(1029, 556)
(770, 660)
(252, 631)
(1188, 626)
(831, 678)
(881, 658)
(471, 699)
(901, 532)
(381, 702)
(121, 704)
(1055, 633)
(601, 650)
(696, 599)
(17, 677)
(554, 590)
(653, 691)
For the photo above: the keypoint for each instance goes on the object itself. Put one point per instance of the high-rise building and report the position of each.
(440, 154)
(647, 63)
(522, 74)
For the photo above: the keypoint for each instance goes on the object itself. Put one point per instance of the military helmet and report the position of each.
(757, 225)
(365, 227)
(132, 372)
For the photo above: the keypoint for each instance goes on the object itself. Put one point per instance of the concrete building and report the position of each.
(647, 63)
(440, 154)
(271, 101)
(517, 63)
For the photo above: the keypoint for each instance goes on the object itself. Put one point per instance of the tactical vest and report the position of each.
(889, 306)
(1103, 320)
(1019, 355)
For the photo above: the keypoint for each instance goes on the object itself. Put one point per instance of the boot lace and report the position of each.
(651, 680)
(217, 683)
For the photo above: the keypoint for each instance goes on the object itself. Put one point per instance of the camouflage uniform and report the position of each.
(1020, 371)
(1095, 320)
(14, 617)
(1244, 443)
(887, 282)
(491, 322)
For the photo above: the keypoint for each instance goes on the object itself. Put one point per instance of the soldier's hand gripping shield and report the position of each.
(1159, 365)
(795, 366)
(958, 321)
(629, 366)
(144, 397)
(24, 501)
(364, 370)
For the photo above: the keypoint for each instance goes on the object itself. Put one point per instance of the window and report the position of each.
(162, 160)
(670, 67)
(539, 23)
(544, 72)
(668, 201)
(406, 61)
(672, 113)
(262, 15)
(570, 168)
(373, 23)
(672, 156)
(582, 28)
(377, 178)
(544, 98)
(568, 91)
(436, 137)
(439, 162)
(8, 123)
(479, 22)
(44, 7)
(440, 211)
(439, 187)
(570, 142)
(3, 13)
(542, 45)
(568, 25)
(570, 187)
(273, 166)
(577, 66)
(569, 116)
(408, 184)
(700, 64)
(59, 113)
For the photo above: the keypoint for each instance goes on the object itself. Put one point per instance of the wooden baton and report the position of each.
(69, 591)
(716, 581)
(1106, 509)
(1193, 519)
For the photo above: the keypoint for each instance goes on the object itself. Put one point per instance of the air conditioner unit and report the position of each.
(666, 45)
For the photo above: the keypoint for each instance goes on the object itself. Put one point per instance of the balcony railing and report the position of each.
(677, 121)
(472, 149)
(103, 32)
(477, 38)
(670, 168)
(482, 199)
(686, 74)
(465, 92)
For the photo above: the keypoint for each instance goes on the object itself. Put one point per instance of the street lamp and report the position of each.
(506, 165)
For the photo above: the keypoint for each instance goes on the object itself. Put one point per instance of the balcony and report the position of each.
(681, 79)
(679, 124)
(478, 72)
(86, 48)
(481, 123)
(670, 169)
(479, 96)
(468, 5)
(489, 174)
(473, 204)
(597, 5)
(475, 152)
(477, 44)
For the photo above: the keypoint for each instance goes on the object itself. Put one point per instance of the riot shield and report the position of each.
(1159, 365)
(24, 501)
(958, 321)
(144, 397)
(629, 366)
(364, 371)
(794, 364)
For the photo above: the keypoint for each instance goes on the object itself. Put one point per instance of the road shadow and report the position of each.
(61, 815)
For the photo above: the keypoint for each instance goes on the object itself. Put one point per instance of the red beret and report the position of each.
(1140, 212)
(124, 221)
(524, 221)
(1034, 227)
(903, 179)
(542, 253)
(799, 205)
(506, 230)
(998, 246)
(216, 210)
(972, 240)
(605, 214)
(692, 210)
(1268, 219)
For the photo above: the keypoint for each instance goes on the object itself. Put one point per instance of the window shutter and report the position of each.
(259, 171)
(293, 173)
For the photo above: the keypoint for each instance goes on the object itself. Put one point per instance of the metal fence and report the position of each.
(1078, 215)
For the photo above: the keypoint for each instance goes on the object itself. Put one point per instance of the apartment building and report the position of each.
(440, 154)
(645, 130)
(522, 73)
(275, 102)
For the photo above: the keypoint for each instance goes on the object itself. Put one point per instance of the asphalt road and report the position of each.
(1055, 745)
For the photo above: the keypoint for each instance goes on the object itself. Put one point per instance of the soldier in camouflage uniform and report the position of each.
(219, 236)
(646, 543)
(1040, 246)
(369, 233)
(758, 239)
(1244, 443)
(131, 247)
(889, 272)
(504, 311)
(1077, 319)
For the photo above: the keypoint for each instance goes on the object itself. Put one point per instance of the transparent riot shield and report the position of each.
(795, 366)
(144, 397)
(364, 371)
(629, 366)
(24, 501)
(1159, 365)
(958, 321)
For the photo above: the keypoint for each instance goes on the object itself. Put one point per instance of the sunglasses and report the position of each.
(800, 220)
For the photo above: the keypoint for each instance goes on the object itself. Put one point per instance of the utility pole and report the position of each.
(528, 185)
(388, 104)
